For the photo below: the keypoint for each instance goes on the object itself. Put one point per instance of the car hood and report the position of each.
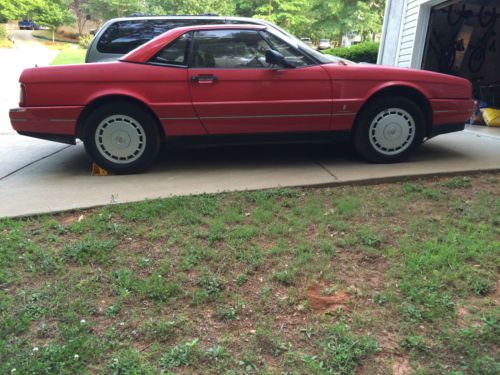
(435, 85)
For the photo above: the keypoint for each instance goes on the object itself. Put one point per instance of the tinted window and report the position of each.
(229, 49)
(123, 36)
(292, 55)
(176, 53)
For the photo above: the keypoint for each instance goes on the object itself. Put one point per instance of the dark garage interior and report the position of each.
(463, 40)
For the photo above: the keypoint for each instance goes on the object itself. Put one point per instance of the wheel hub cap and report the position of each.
(392, 131)
(120, 139)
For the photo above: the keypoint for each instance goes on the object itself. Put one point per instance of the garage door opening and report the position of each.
(463, 40)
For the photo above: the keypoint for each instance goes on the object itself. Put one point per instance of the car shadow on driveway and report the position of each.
(63, 181)
(230, 156)
(73, 161)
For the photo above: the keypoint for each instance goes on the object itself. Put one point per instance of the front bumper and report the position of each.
(56, 124)
(446, 128)
(452, 111)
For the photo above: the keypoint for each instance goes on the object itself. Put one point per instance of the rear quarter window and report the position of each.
(123, 36)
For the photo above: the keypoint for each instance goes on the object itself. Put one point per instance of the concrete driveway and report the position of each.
(38, 176)
(62, 181)
(26, 53)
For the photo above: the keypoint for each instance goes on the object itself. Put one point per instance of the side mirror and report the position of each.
(275, 58)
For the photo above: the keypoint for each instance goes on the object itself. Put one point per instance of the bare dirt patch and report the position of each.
(320, 302)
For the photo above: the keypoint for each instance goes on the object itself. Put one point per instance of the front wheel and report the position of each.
(122, 138)
(389, 129)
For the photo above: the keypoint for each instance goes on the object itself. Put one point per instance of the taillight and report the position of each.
(22, 95)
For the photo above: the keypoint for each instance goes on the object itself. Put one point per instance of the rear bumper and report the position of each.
(60, 138)
(56, 124)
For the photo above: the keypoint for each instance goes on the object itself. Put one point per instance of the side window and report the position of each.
(292, 55)
(175, 53)
(230, 49)
(123, 36)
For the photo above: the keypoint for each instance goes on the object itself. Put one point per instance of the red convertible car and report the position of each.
(235, 80)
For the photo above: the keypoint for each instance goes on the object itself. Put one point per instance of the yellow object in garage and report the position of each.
(491, 116)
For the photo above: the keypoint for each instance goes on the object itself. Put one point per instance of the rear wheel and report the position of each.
(122, 137)
(389, 129)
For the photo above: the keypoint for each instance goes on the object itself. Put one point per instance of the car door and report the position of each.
(234, 90)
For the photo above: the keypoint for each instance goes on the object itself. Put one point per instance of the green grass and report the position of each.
(69, 56)
(58, 37)
(222, 283)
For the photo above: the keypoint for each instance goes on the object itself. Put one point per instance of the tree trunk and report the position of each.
(53, 35)
(81, 21)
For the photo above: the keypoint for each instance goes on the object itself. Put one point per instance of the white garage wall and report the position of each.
(404, 32)
(407, 33)
(389, 40)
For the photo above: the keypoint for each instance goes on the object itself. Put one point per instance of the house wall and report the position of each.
(390, 32)
(404, 32)
(407, 33)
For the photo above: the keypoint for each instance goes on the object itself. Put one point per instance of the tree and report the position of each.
(191, 7)
(18, 9)
(370, 16)
(53, 13)
(290, 14)
(311, 18)
(80, 10)
(248, 8)
(106, 9)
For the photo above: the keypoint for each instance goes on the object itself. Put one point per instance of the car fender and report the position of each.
(102, 97)
(396, 84)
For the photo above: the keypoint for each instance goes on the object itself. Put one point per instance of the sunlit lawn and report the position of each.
(390, 278)
(69, 56)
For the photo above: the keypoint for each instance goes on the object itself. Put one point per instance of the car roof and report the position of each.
(144, 52)
(222, 18)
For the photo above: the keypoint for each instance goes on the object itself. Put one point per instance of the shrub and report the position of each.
(85, 40)
(363, 52)
(3, 32)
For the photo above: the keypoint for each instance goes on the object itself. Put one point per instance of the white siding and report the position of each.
(407, 34)
(390, 34)
(404, 32)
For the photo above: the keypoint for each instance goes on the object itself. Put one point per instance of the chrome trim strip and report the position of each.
(265, 116)
(178, 118)
(344, 114)
(61, 120)
(244, 117)
(18, 119)
(17, 110)
(445, 111)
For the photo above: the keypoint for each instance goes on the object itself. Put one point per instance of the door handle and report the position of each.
(204, 78)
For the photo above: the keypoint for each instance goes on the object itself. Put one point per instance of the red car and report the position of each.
(237, 80)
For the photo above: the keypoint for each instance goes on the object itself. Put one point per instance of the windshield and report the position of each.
(297, 43)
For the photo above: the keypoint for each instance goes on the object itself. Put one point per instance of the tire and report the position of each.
(389, 129)
(121, 137)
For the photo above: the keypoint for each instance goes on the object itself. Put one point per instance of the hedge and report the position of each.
(3, 32)
(363, 52)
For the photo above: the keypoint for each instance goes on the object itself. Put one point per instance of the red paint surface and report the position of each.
(316, 98)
